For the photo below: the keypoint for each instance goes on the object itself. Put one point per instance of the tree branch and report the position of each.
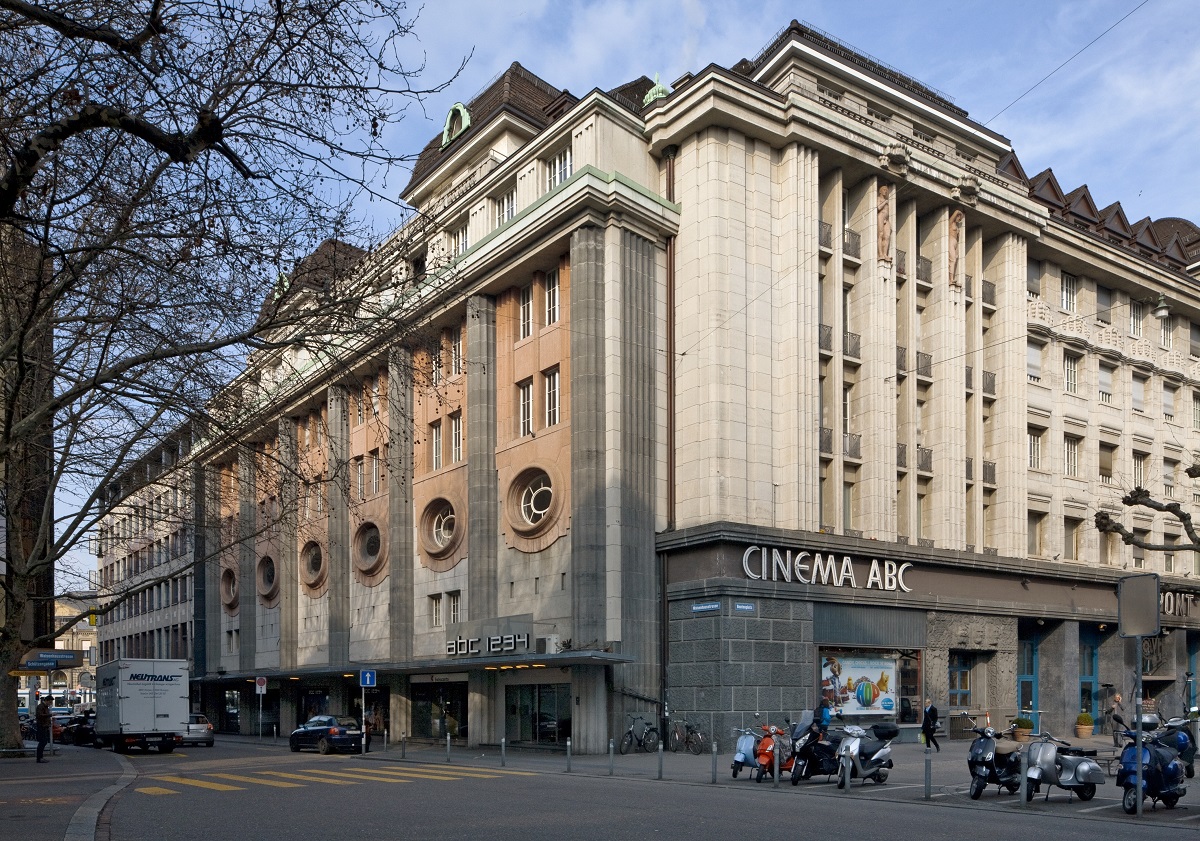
(103, 34)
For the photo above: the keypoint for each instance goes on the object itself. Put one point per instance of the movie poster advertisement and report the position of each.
(860, 684)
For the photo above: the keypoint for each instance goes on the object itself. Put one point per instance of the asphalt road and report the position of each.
(245, 788)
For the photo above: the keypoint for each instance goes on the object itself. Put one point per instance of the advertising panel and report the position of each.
(860, 684)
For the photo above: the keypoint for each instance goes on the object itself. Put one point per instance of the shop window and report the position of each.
(960, 680)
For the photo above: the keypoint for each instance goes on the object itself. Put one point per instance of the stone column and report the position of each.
(286, 563)
(483, 504)
(338, 524)
(400, 536)
(206, 624)
(247, 591)
(1058, 677)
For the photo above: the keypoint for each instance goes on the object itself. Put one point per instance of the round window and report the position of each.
(229, 588)
(532, 504)
(536, 498)
(443, 526)
(312, 565)
(439, 532)
(369, 553)
(268, 582)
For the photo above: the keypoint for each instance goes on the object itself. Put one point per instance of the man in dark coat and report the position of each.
(44, 722)
(929, 725)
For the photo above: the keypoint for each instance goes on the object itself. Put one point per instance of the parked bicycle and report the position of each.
(647, 740)
(684, 734)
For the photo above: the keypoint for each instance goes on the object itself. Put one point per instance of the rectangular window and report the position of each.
(525, 312)
(1169, 402)
(360, 412)
(1070, 290)
(435, 445)
(1070, 373)
(558, 168)
(1139, 554)
(360, 478)
(846, 407)
(456, 351)
(1135, 318)
(1169, 554)
(455, 616)
(1108, 454)
(459, 242)
(525, 403)
(1036, 522)
(1194, 348)
(1166, 331)
(1033, 362)
(1105, 383)
(1033, 279)
(1196, 410)
(435, 367)
(1072, 530)
(551, 397)
(456, 438)
(372, 388)
(1138, 396)
(506, 206)
(1169, 470)
(1071, 446)
(1104, 302)
(376, 472)
(1140, 463)
(552, 297)
(435, 610)
(1035, 449)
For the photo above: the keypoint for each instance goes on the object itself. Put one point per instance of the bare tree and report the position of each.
(1141, 498)
(164, 166)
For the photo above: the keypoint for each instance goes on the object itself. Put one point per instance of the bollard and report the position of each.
(403, 743)
(660, 757)
(610, 757)
(714, 761)
(775, 765)
(502, 742)
(385, 739)
(447, 747)
(928, 771)
(568, 754)
(1024, 774)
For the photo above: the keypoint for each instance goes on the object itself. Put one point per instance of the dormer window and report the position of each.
(457, 121)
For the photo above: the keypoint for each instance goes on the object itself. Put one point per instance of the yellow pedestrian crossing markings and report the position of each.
(344, 775)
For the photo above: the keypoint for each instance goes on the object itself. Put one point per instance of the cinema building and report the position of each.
(783, 379)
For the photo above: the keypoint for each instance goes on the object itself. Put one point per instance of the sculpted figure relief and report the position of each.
(957, 218)
(884, 215)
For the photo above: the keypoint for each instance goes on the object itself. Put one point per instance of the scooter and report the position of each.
(813, 754)
(1071, 768)
(745, 754)
(777, 740)
(1178, 735)
(993, 760)
(1162, 771)
(869, 759)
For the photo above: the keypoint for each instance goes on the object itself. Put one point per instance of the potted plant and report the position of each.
(1084, 723)
(1022, 728)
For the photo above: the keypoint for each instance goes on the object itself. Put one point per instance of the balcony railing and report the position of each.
(826, 440)
(970, 375)
(901, 360)
(851, 242)
(989, 472)
(852, 345)
(970, 469)
(924, 269)
(967, 286)
(901, 262)
(902, 455)
(989, 382)
(852, 444)
(825, 234)
(924, 364)
(925, 459)
(825, 337)
(989, 292)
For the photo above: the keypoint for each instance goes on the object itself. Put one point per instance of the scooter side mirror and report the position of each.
(1117, 718)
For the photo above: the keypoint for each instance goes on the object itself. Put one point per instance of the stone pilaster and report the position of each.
(285, 566)
(400, 537)
(248, 592)
(483, 505)
(338, 521)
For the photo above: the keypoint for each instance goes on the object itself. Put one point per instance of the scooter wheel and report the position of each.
(880, 777)
(795, 779)
(844, 776)
(1189, 770)
(1129, 800)
(737, 766)
(977, 786)
(1029, 790)
(1169, 800)
(1086, 791)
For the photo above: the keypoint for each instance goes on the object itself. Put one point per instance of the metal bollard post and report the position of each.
(502, 742)
(928, 771)
(1024, 775)
(403, 743)
(714, 761)
(660, 758)
(447, 747)
(610, 757)
(775, 766)
(568, 754)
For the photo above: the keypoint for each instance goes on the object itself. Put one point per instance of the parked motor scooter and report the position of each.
(815, 753)
(859, 756)
(1071, 768)
(1162, 770)
(993, 760)
(1177, 734)
(776, 740)
(745, 754)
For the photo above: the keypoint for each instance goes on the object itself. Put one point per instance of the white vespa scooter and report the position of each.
(745, 754)
(859, 756)
(1071, 768)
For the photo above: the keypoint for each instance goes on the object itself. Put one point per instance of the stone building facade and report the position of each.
(785, 382)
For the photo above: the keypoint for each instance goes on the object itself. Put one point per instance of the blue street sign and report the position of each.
(366, 678)
(41, 664)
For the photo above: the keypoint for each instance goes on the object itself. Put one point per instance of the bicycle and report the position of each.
(647, 740)
(685, 734)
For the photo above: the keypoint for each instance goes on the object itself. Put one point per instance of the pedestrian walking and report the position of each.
(929, 725)
(1114, 709)
(43, 720)
(368, 728)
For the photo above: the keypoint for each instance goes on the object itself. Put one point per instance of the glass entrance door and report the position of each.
(1027, 666)
(1089, 688)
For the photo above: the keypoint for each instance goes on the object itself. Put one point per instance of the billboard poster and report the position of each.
(860, 684)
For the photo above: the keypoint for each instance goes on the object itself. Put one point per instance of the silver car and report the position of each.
(199, 731)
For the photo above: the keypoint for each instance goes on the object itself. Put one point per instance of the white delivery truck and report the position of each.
(141, 703)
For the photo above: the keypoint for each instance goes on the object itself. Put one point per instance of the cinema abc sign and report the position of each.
(765, 563)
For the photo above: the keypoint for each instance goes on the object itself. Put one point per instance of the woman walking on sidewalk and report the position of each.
(929, 725)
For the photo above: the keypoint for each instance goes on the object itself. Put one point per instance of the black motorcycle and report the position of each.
(993, 759)
(814, 755)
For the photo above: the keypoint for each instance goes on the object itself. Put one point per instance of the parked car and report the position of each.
(80, 730)
(199, 731)
(58, 726)
(328, 733)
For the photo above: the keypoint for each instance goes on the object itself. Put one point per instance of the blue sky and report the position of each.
(1121, 117)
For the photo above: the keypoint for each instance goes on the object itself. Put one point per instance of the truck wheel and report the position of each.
(166, 747)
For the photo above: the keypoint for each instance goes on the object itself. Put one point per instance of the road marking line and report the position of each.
(480, 770)
(360, 776)
(1189, 818)
(240, 779)
(184, 781)
(308, 778)
(420, 775)
(1098, 808)
(156, 790)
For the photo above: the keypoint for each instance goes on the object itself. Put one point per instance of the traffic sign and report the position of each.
(366, 678)
(260, 685)
(42, 665)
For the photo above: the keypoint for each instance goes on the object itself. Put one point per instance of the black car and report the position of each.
(328, 733)
(79, 730)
